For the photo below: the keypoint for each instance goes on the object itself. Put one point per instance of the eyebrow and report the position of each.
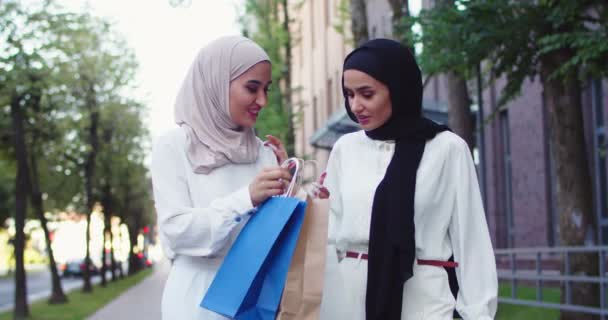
(258, 82)
(361, 88)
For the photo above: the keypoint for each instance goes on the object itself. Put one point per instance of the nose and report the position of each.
(355, 105)
(262, 98)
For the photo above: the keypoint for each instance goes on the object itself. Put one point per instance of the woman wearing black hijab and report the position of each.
(404, 200)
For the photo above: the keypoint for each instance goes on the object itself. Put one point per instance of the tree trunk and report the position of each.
(120, 264)
(574, 195)
(358, 16)
(290, 142)
(21, 309)
(57, 294)
(459, 111)
(90, 178)
(400, 9)
(134, 262)
(125, 209)
(112, 259)
(104, 269)
(103, 245)
(121, 271)
(107, 232)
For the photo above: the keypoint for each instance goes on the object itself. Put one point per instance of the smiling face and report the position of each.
(249, 94)
(369, 99)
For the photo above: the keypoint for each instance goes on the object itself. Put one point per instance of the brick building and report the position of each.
(514, 163)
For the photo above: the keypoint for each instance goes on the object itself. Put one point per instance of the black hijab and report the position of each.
(392, 247)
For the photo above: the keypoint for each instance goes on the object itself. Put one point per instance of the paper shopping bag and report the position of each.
(304, 286)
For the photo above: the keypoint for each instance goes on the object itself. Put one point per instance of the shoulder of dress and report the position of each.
(175, 136)
(351, 138)
(449, 140)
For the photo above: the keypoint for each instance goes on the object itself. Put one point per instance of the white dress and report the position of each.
(449, 219)
(199, 217)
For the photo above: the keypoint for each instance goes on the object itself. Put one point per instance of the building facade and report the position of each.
(515, 167)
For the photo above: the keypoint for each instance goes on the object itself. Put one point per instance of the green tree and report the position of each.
(563, 42)
(270, 19)
(358, 21)
(102, 66)
(23, 70)
(124, 139)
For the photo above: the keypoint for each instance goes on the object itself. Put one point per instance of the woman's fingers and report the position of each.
(274, 184)
(276, 173)
(319, 191)
(274, 140)
(277, 147)
(322, 178)
(269, 182)
(323, 193)
(274, 192)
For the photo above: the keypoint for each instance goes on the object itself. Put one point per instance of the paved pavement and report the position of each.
(139, 302)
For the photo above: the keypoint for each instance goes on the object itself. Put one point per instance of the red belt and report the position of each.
(436, 263)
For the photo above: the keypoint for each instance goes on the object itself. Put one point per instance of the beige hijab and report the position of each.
(201, 107)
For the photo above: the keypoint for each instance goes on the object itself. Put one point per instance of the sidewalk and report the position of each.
(139, 302)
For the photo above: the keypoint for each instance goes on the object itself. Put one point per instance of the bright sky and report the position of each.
(165, 40)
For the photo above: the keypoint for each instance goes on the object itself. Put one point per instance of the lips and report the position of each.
(363, 119)
(253, 113)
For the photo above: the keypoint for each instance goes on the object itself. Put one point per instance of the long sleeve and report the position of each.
(332, 182)
(471, 244)
(185, 229)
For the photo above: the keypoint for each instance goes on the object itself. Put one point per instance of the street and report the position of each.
(38, 287)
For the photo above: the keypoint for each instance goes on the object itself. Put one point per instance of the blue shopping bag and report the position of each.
(250, 281)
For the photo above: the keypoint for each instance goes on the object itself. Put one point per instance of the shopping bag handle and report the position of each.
(294, 179)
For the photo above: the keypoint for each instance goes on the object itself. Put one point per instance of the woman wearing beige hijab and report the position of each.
(211, 172)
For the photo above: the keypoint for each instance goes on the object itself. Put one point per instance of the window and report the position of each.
(508, 194)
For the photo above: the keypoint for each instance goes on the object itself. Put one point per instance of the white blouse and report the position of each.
(448, 215)
(199, 216)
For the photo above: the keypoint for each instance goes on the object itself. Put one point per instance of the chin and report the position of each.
(248, 125)
(368, 127)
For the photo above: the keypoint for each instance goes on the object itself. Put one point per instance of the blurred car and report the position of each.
(143, 260)
(75, 268)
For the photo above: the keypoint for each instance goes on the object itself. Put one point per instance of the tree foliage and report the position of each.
(512, 37)
(57, 69)
(267, 23)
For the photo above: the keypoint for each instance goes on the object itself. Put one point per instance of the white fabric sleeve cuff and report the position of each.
(241, 205)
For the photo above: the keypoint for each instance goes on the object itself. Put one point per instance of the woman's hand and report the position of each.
(318, 189)
(277, 147)
(270, 182)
